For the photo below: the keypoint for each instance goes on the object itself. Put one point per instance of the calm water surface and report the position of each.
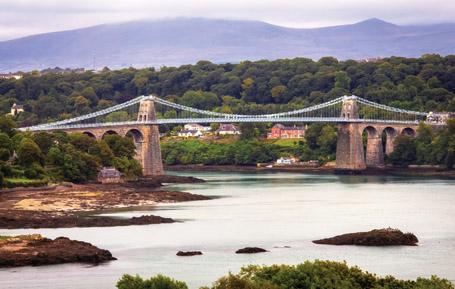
(269, 210)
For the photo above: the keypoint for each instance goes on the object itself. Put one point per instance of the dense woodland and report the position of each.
(36, 159)
(426, 83)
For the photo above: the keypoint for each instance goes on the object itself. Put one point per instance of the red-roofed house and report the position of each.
(281, 131)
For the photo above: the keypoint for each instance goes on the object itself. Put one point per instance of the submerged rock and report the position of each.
(378, 237)
(250, 250)
(35, 250)
(188, 253)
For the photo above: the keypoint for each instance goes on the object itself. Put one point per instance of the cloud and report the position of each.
(25, 17)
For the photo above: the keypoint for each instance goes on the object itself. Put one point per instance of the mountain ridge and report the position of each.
(180, 41)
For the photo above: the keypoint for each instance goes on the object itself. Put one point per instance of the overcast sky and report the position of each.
(25, 17)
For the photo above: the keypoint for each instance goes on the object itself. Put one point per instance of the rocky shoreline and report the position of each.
(70, 205)
(35, 250)
(378, 237)
(35, 220)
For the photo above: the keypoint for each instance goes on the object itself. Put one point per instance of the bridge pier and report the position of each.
(349, 154)
(152, 163)
(374, 157)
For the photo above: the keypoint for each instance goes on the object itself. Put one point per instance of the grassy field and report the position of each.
(24, 182)
(20, 180)
(291, 142)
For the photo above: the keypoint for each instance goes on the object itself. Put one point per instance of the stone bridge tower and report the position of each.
(349, 155)
(150, 151)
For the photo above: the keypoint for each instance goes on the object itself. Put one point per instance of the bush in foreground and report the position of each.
(157, 282)
(308, 275)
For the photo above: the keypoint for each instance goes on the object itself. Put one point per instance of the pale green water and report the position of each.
(266, 210)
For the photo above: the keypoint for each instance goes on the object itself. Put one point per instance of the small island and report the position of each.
(35, 250)
(250, 250)
(378, 237)
(188, 253)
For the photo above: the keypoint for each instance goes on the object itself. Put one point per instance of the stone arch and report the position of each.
(408, 131)
(135, 134)
(108, 132)
(389, 134)
(374, 155)
(90, 134)
(138, 138)
(371, 131)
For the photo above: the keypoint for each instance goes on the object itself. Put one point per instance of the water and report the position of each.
(267, 210)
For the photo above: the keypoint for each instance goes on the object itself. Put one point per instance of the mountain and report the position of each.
(188, 40)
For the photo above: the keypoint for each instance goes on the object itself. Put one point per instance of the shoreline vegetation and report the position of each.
(310, 274)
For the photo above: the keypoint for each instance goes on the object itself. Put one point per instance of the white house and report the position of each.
(198, 127)
(228, 128)
(189, 133)
(16, 109)
(286, 161)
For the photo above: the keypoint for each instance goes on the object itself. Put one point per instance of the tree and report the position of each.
(7, 125)
(278, 92)
(327, 140)
(29, 153)
(312, 134)
(404, 152)
(44, 140)
(424, 146)
(82, 141)
(342, 80)
(6, 147)
(200, 99)
(121, 146)
(81, 104)
(90, 94)
(130, 168)
(248, 130)
(156, 282)
(117, 116)
(78, 166)
(103, 152)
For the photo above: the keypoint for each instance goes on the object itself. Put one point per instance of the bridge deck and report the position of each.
(219, 120)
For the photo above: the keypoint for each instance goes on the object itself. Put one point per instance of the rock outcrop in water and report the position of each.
(378, 237)
(250, 250)
(36, 250)
(31, 219)
(188, 253)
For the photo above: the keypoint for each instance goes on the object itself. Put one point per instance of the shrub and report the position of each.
(308, 275)
(157, 282)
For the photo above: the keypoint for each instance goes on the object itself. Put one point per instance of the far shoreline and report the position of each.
(387, 171)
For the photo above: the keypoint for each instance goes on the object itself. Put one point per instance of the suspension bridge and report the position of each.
(141, 116)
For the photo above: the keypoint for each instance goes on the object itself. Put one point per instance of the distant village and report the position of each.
(278, 131)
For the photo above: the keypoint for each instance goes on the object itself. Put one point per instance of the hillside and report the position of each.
(187, 40)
